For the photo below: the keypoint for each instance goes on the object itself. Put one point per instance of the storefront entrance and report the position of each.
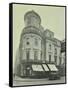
(28, 71)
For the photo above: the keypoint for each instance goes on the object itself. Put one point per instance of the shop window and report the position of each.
(60, 61)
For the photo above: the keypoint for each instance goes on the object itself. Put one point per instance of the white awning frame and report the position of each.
(45, 67)
(52, 67)
(37, 67)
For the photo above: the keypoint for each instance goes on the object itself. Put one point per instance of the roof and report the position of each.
(32, 13)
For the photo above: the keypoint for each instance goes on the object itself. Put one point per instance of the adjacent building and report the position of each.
(63, 51)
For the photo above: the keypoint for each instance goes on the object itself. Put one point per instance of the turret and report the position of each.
(31, 18)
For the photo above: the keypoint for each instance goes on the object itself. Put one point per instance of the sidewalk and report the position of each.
(29, 79)
(33, 79)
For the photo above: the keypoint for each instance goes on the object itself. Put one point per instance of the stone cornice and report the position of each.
(32, 29)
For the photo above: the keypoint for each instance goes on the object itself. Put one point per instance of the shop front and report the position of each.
(53, 72)
(35, 70)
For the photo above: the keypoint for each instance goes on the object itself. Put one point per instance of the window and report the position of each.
(36, 42)
(27, 43)
(49, 58)
(27, 54)
(55, 59)
(41, 55)
(29, 21)
(55, 51)
(35, 55)
(49, 46)
(59, 60)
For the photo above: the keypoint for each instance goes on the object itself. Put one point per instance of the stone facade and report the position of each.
(36, 44)
(63, 51)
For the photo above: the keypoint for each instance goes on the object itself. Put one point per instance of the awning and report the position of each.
(45, 67)
(52, 67)
(37, 67)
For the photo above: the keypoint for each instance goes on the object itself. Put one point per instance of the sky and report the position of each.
(52, 18)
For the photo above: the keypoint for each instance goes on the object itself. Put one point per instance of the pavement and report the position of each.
(29, 81)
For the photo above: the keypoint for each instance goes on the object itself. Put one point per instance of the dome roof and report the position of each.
(32, 13)
(31, 29)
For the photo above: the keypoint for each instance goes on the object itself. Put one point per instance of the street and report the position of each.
(27, 81)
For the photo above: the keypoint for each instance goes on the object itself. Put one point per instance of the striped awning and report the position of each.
(45, 67)
(37, 67)
(52, 67)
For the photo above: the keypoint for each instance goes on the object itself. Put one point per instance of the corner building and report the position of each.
(37, 46)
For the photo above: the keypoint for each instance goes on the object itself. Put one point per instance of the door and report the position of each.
(28, 71)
